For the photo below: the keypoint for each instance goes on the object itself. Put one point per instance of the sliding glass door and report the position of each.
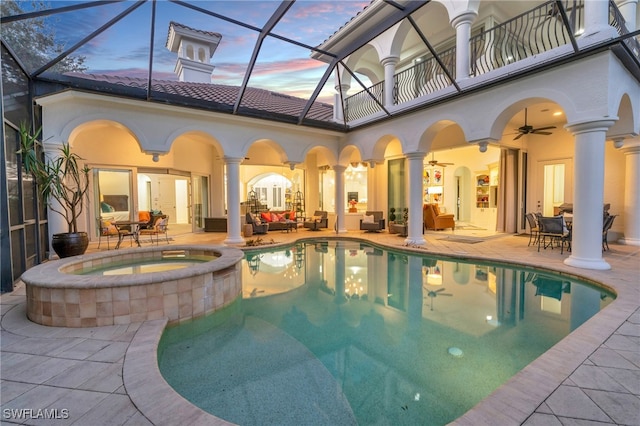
(200, 201)
(114, 194)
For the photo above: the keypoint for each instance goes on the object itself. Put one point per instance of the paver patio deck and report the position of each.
(107, 375)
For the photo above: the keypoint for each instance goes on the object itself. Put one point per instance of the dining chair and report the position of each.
(106, 230)
(534, 228)
(554, 230)
(606, 226)
(159, 228)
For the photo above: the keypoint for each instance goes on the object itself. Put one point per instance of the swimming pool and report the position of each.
(342, 332)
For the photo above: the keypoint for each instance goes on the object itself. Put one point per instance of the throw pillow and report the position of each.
(266, 216)
(109, 228)
(106, 208)
(316, 218)
(292, 215)
(367, 219)
(280, 217)
(144, 216)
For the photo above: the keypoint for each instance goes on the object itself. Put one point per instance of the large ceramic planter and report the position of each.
(70, 243)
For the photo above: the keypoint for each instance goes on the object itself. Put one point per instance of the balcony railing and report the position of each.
(531, 33)
(425, 77)
(617, 21)
(363, 104)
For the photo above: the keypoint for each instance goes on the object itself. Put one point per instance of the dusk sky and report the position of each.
(123, 49)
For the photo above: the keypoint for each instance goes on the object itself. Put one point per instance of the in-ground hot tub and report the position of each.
(59, 293)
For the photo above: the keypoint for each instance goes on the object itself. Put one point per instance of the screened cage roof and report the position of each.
(271, 59)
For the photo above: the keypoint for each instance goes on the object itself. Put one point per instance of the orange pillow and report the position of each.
(292, 215)
(144, 216)
(266, 216)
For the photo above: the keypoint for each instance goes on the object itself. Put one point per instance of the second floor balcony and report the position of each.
(552, 27)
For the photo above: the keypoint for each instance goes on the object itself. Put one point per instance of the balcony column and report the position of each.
(56, 223)
(233, 200)
(588, 194)
(631, 215)
(415, 225)
(628, 9)
(339, 171)
(596, 18)
(462, 24)
(389, 64)
(339, 101)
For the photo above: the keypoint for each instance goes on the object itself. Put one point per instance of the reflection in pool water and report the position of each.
(339, 332)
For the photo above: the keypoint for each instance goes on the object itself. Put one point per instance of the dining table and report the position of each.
(128, 228)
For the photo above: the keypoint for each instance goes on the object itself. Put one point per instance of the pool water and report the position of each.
(167, 263)
(339, 332)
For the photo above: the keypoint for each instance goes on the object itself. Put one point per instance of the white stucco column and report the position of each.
(416, 297)
(588, 194)
(389, 64)
(596, 17)
(339, 98)
(233, 200)
(414, 231)
(631, 215)
(55, 221)
(462, 24)
(339, 171)
(629, 10)
(339, 276)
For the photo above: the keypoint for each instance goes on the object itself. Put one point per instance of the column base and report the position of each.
(415, 241)
(342, 231)
(629, 241)
(233, 240)
(596, 264)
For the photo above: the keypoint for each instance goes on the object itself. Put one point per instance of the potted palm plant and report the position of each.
(63, 184)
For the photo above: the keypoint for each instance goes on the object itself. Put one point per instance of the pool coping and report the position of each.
(512, 403)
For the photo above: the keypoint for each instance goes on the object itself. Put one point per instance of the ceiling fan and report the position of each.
(434, 163)
(526, 129)
(432, 294)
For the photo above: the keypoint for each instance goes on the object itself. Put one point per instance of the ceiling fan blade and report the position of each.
(541, 133)
(544, 128)
(518, 137)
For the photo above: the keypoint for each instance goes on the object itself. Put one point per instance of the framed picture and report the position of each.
(352, 196)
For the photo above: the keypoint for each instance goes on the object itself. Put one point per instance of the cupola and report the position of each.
(194, 48)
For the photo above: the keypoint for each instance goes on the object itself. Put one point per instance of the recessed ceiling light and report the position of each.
(557, 113)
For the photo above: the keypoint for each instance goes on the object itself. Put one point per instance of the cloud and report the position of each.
(314, 10)
(287, 66)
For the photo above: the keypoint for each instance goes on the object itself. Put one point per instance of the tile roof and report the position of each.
(255, 102)
(208, 33)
